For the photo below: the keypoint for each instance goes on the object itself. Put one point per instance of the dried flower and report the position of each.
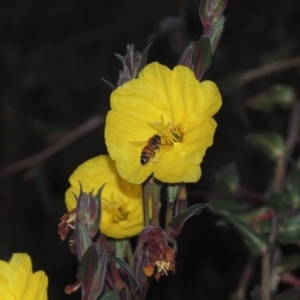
(17, 282)
(170, 104)
(121, 201)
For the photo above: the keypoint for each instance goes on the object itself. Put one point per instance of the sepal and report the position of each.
(178, 221)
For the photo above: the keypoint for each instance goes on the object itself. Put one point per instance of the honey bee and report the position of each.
(150, 149)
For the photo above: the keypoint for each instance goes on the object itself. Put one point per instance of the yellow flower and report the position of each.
(171, 104)
(121, 201)
(17, 282)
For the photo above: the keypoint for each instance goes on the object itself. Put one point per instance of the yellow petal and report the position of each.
(93, 174)
(37, 288)
(20, 274)
(183, 102)
(5, 293)
(17, 280)
(195, 141)
(173, 168)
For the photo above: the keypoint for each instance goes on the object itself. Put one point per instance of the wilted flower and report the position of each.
(154, 256)
(18, 282)
(170, 105)
(121, 201)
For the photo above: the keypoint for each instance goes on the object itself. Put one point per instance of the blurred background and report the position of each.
(53, 104)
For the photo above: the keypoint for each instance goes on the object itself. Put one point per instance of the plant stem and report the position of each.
(145, 189)
(181, 200)
(155, 193)
(173, 190)
(265, 281)
(240, 293)
(169, 214)
(129, 255)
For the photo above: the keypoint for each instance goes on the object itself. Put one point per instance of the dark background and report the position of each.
(53, 55)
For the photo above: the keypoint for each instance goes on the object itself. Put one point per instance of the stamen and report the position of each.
(162, 266)
(169, 133)
(116, 208)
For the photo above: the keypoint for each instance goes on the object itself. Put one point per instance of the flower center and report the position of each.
(169, 133)
(116, 208)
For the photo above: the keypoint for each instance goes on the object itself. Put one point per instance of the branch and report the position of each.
(281, 162)
(41, 157)
(267, 69)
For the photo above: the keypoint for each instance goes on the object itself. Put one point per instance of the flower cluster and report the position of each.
(161, 123)
(18, 282)
(121, 201)
(158, 129)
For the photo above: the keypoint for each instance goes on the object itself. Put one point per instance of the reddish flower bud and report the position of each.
(187, 56)
(88, 211)
(210, 9)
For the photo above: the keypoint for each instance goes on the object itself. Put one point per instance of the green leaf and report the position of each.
(109, 84)
(290, 196)
(202, 57)
(230, 204)
(289, 229)
(292, 294)
(257, 215)
(91, 272)
(289, 263)
(282, 95)
(278, 201)
(120, 57)
(178, 221)
(256, 243)
(292, 190)
(109, 295)
(228, 178)
(256, 295)
(126, 267)
(271, 144)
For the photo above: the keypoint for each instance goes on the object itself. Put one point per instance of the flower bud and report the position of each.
(215, 32)
(88, 211)
(187, 56)
(210, 9)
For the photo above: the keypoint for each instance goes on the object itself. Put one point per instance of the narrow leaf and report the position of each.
(289, 229)
(109, 84)
(271, 144)
(109, 295)
(292, 294)
(178, 221)
(126, 267)
(293, 187)
(256, 295)
(255, 242)
(229, 203)
(282, 95)
(289, 263)
(120, 57)
(91, 272)
(228, 178)
(202, 57)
